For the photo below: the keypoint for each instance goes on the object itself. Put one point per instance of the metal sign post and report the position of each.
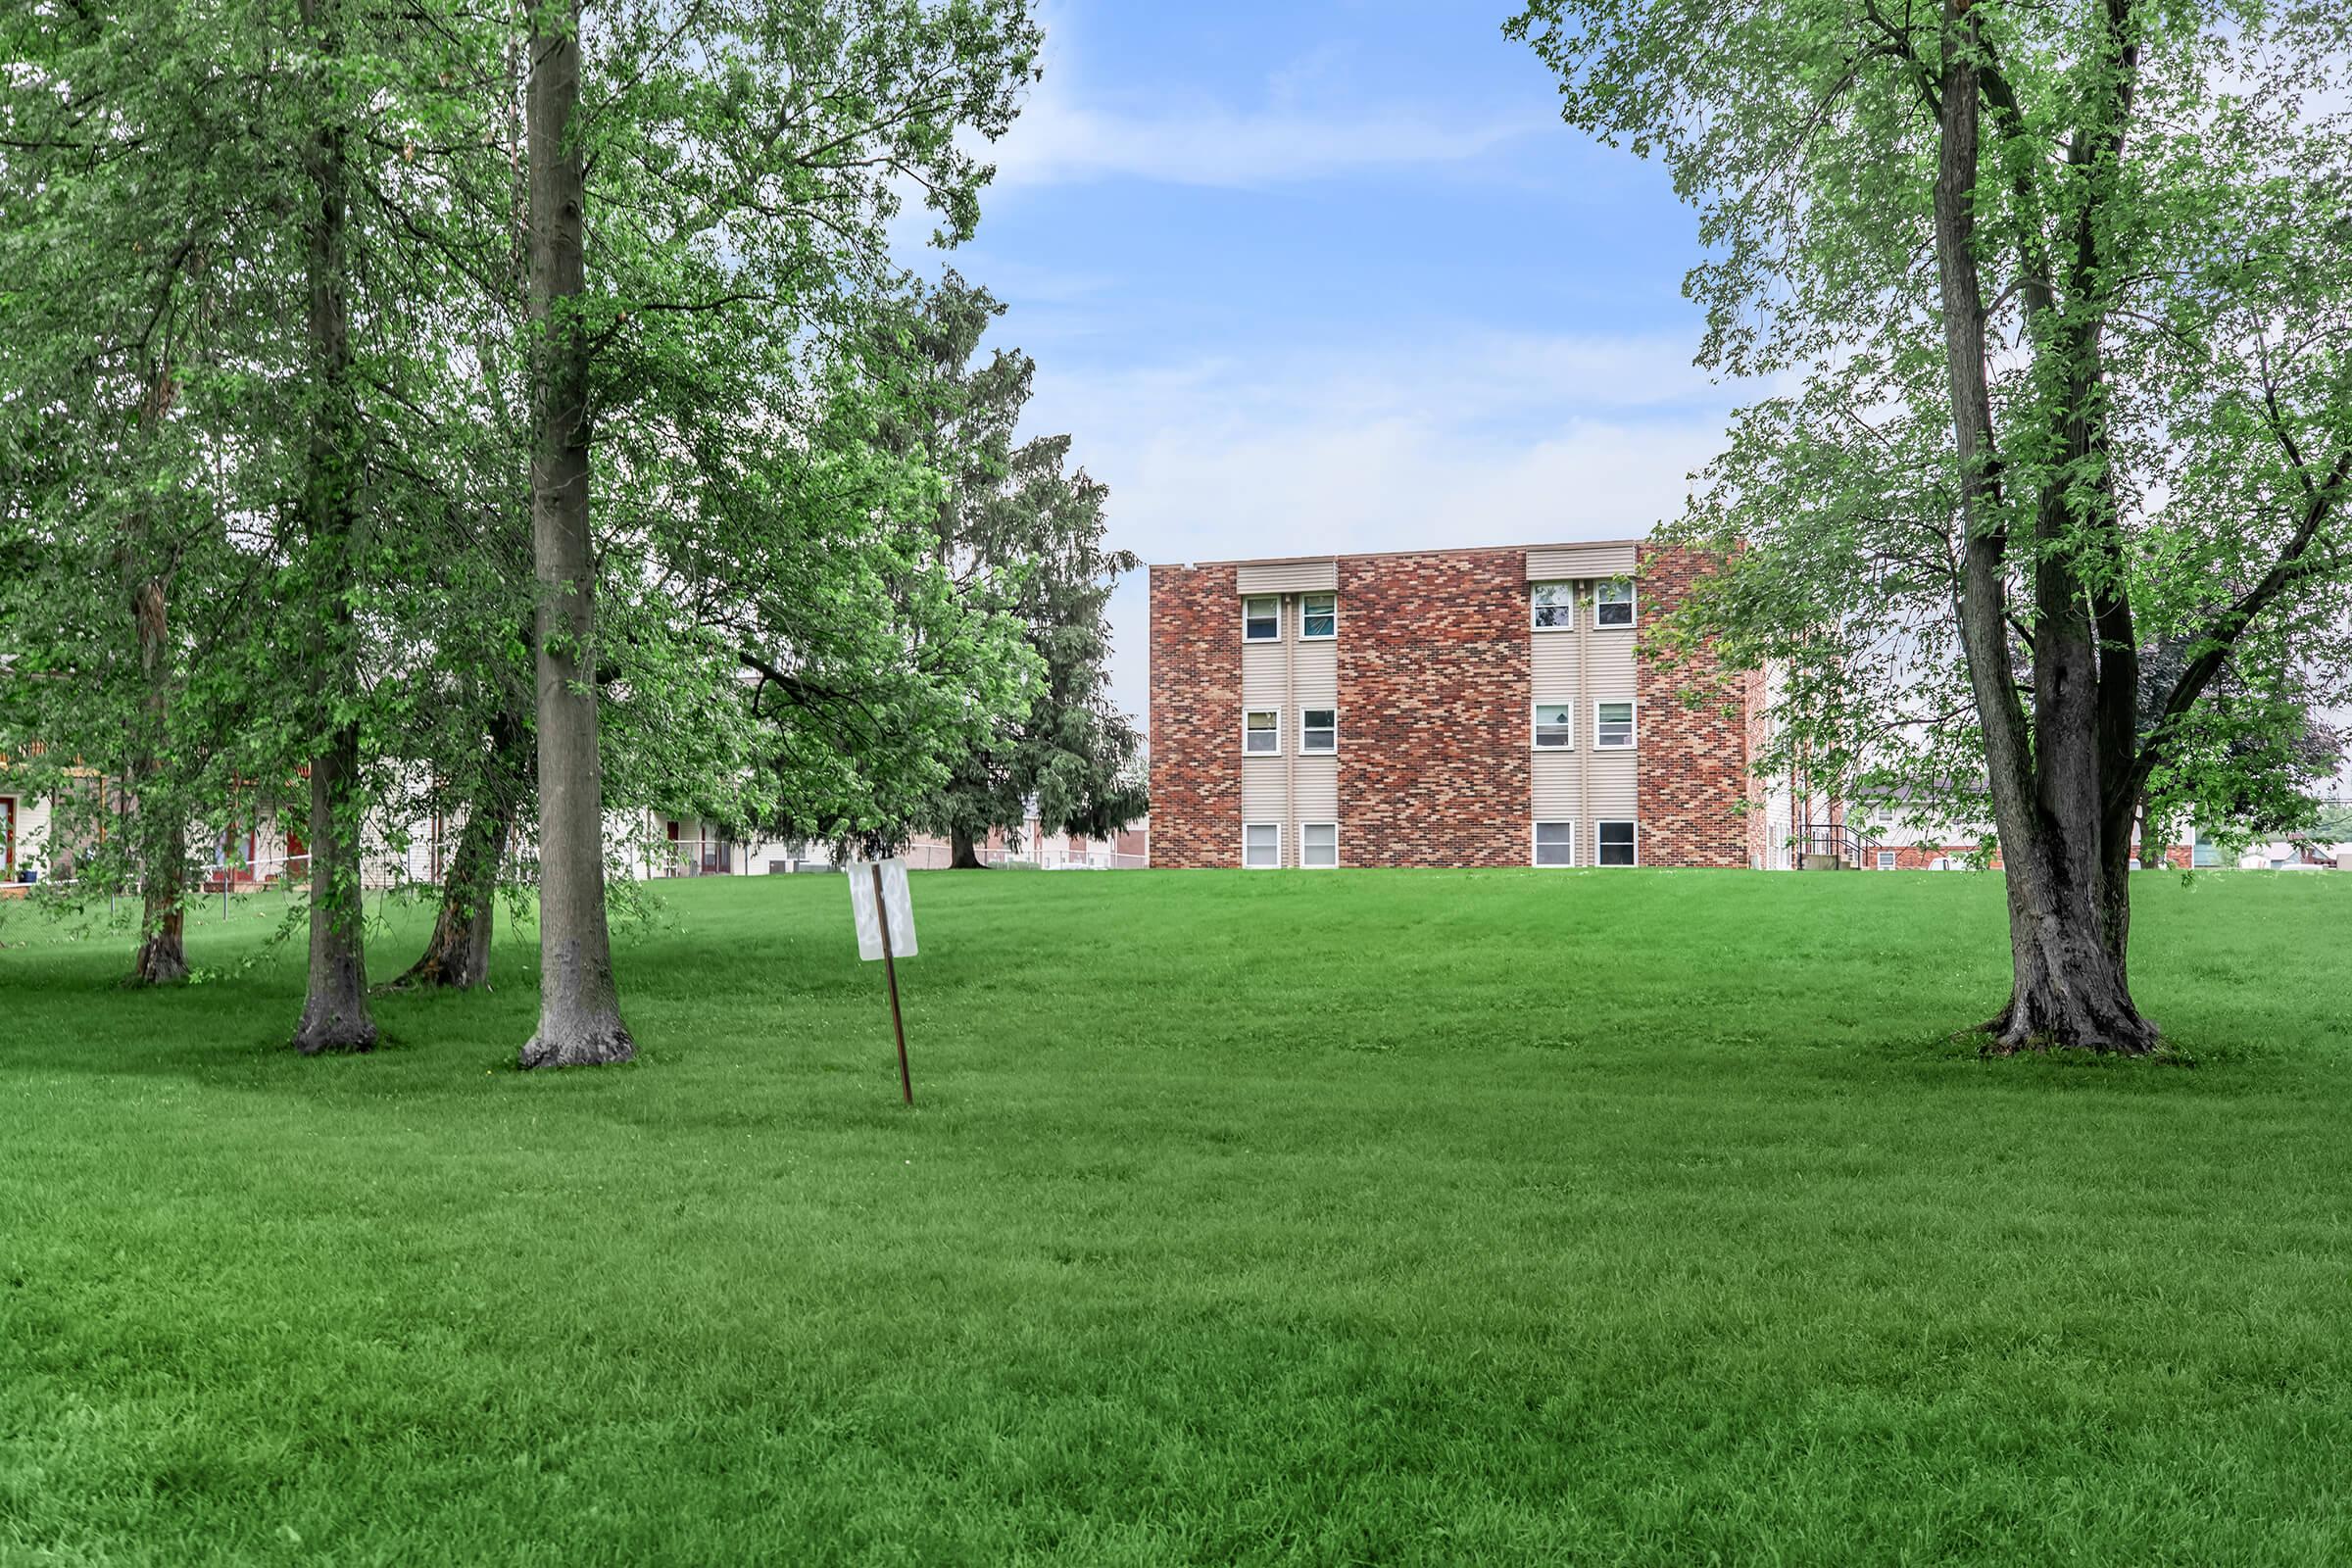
(885, 916)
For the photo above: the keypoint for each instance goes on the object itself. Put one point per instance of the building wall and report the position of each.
(1692, 756)
(1197, 716)
(1433, 680)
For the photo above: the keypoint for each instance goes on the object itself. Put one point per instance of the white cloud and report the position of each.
(1305, 129)
(1477, 441)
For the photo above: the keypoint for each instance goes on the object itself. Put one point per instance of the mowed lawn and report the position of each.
(1357, 1217)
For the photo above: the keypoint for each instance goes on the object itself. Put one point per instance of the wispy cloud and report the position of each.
(1479, 439)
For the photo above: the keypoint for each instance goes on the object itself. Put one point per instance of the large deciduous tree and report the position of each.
(1015, 524)
(2063, 295)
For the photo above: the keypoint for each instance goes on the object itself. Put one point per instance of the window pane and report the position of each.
(1261, 731)
(1613, 724)
(1556, 843)
(1612, 604)
(1556, 724)
(1319, 844)
(1616, 843)
(1319, 730)
(1319, 615)
(1556, 603)
(1262, 620)
(1262, 844)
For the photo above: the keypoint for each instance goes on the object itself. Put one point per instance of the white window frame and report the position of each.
(1251, 598)
(1274, 750)
(1306, 636)
(1306, 864)
(1274, 865)
(1633, 614)
(1333, 750)
(1613, 821)
(1536, 727)
(1534, 845)
(1633, 719)
(1535, 603)
(1885, 859)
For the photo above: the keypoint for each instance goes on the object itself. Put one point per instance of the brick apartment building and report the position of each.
(1441, 708)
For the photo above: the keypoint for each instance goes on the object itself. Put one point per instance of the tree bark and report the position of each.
(161, 957)
(579, 1004)
(2049, 778)
(334, 1010)
(458, 956)
(963, 853)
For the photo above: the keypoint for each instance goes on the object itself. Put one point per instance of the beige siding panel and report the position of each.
(1263, 795)
(1612, 656)
(1318, 786)
(1613, 790)
(1564, 562)
(1552, 657)
(1554, 786)
(1320, 576)
(1319, 676)
(1262, 677)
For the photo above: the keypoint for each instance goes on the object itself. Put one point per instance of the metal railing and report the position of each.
(1840, 844)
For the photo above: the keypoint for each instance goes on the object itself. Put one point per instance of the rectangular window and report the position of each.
(1262, 733)
(1262, 620)
(1555, 725)
(1261, 845)
(8, 833)
(1613, 725)
(1885, 859)
(1555, 606)
(1319, 729)
(1614, 844)
(1318, 617)
(1613, 603)
(1319, 844)
(1556, 843)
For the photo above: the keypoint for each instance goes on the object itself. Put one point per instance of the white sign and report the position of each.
(893, 899)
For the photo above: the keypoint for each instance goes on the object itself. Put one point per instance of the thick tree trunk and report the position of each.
(2054, 779)
(161, 957)
(580, 1005)
(459, 954)
(334, 1011)
(963, 853)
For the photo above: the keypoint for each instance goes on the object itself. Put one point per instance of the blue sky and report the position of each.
(1330, 275)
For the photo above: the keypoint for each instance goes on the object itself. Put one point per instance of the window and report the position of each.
(1885, 859)
(8, 833)
(1319, 844)
(1556, 843)
(1261, 845)
(1555, 606)
(1262, 620)
(1555, 725)
(1318, 617)
(1613, 603)
(1614, 844)
(1319, 729)
(1613, 725)
(1262, 733)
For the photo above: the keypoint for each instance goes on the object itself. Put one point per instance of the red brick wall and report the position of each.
(1433, 717)
(1195, 693)
(1693, 766)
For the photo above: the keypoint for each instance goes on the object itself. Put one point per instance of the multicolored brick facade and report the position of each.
(1439, 668)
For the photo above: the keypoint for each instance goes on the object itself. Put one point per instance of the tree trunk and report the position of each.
(580, 1005)
(334, 1011)
(2053, 780)
(162, 958)
(459, 954)
(963, 853)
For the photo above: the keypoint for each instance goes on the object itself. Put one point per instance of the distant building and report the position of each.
(1440, 707)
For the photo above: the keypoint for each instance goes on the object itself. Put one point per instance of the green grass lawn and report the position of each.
(1482, 1217)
